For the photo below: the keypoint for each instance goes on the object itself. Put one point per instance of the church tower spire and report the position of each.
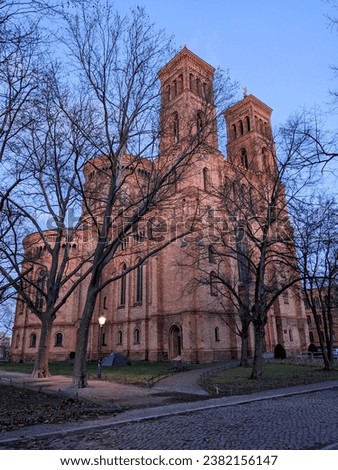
(187, 110)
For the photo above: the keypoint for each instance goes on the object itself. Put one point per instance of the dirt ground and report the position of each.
(22, 407)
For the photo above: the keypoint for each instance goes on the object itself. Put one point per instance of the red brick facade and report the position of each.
(158, 312)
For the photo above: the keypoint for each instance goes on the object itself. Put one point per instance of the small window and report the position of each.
(32, 341)
(176, 128)
(105, 302)
(234, 131)
(241, 128)
(247, 124)
(290, 335)
(213, 282)
(308, 319)
(199, 125)
(217, 334)
(211, 254)
(191, 81)
(311, 337)
(137, 336)
(285, 297)
(119, 337)
(123, 285)
(244, 159)
(206, 179)
(58, 340)
(139, 284)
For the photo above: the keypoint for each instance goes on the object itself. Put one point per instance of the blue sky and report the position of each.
(281, 50)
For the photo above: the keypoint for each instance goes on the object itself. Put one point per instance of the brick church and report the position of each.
(170, 306)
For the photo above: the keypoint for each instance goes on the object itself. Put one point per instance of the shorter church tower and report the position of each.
(250, 144)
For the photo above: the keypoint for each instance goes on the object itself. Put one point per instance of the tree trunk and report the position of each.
(41, 364)
(244, 346)
(80, 362)
(257, 367)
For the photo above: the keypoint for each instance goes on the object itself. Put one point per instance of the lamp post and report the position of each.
(102, 321)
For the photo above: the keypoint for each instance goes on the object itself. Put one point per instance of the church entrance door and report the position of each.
(175, 342)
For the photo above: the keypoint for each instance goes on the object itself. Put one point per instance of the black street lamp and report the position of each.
(102, 321)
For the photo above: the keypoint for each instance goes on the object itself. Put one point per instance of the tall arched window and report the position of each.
(58, 340)
(191, 81)
(217, 334)
(139, 283)
(123, 285)
(137, 336)
(247, 124)
(206, 179)
(176, 128)
(244, 159)
(234, 131)
(241, 128)
(199, 125)
(119, 337)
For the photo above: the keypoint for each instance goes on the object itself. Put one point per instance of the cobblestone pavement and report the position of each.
(302, 421)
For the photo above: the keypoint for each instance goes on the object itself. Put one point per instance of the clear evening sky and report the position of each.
(281, 50)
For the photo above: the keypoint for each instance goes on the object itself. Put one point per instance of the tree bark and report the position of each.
(80, 363)
(41, 363)
(244, 349)
(257, 367)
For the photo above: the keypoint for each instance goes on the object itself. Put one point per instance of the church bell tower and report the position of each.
(187, 110)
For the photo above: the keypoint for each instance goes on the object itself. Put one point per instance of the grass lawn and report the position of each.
(237, 381)
(138, 372)
(233, 381)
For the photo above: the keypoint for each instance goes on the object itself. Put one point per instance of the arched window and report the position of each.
(176, 128)
(180, 83)
(213, 282)
(211, 254)
(139, 284)
(191, 81)
(198, 86)
(137, 336)
(241, 128)
(234, 131)
(199, 125)
(175, 87)
(247, 123)
(285, 297)
(217, 334)
(206, 179)
(32, 340)
(17, 340)
(311, 336)
(40, 289)
(119, 337)
(58, 340)
(244, 159)
(123, 285)
(290, 335)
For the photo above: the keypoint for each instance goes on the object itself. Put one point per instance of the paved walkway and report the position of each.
(135, 427)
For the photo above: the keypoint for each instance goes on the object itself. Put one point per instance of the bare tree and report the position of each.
(125, 190)
(316, 236)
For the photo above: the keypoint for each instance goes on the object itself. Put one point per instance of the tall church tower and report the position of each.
(250, 142)
(187, 110)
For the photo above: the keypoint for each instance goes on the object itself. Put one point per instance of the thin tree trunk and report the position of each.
(41, 364)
